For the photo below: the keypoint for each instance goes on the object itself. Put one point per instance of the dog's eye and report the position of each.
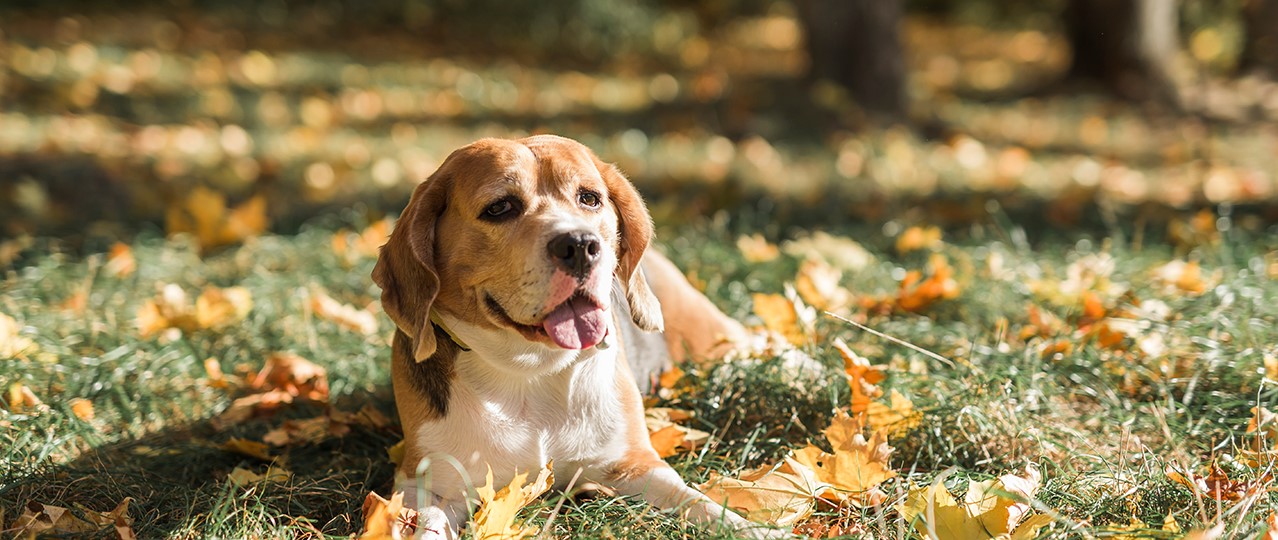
(589, 198)
(499, 210)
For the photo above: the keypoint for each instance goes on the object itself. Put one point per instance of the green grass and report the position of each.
(1101, 425)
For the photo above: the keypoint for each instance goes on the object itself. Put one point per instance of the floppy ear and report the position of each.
(406, 266)
(634, 227)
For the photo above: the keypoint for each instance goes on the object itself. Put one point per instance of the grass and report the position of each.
(1102, 424)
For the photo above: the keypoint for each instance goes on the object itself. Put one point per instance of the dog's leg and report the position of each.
(662, 487)
(437, 519)
(695, 328)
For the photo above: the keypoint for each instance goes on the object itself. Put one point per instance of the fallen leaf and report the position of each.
(22, 399)
(1210, 533)
(246, 407)
(896, 417)
(344, 315)
(756, 249)
(42, 520)
(781, 495)
(306, 431)
(669, 438)
(213, 370)
(1217, 485)
(1272, 532)
(120, 262)
(916, 294)
(840, 252)
(388, 519)
(857, 466)
(217, 308)
(248, 448)
(495, 518)
(294, 375)
(786, 315)
(396, 453)
(1186, 277)
(243, 477)
(862, 377)
(818, 284)
(204, 214)
(916, 238)
(985, 512)
(12, 343)
(81, 408)
(351, 247)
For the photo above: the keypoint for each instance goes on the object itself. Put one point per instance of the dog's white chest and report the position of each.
(512, 425)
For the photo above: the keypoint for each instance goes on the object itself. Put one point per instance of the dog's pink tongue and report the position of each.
(576, 324)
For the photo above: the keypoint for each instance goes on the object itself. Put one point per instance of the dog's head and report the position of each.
(521, 236)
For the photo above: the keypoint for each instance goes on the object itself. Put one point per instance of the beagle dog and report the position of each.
(526, 308)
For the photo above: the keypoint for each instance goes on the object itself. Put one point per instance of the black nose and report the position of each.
(575, 252)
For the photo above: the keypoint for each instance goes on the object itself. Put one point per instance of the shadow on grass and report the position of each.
(178, 478)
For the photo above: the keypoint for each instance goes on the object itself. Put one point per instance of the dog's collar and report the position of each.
(439, 323)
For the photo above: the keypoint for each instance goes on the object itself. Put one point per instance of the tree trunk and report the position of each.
(1261, 51)
(1125, 44)
(857, 44)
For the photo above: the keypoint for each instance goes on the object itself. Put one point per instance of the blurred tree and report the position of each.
(857, 44)
(1125, 44)
(1261, 50)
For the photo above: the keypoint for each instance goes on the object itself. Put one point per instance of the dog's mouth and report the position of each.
(578, 323)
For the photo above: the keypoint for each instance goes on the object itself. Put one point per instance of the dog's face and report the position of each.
(518, 236)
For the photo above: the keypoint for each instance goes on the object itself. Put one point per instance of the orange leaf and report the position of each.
(862, 377)
(120, 262)
(293, 374)
(82, 408)
(387, 519)
(344, 315)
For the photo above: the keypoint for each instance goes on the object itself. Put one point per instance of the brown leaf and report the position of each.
(857, 466)
(781, 495)
(243, 477)
(81, 408)
(294, 375)
(344, 315)
(387, 519)
(248, 448)
(40, 519)
(120, 262)
(244, 408)
(1217, 485)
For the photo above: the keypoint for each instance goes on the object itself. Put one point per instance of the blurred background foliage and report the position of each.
(223, 118)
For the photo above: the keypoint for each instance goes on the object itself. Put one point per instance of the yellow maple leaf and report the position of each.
(862, 377)
(248, 448)
(495, 519)
(984, 513)
(12, 343)
(203, 213)
(120, 261)
(818, 284)
(785, 314)
(781, 494)
(896, 417)
(218, 308)
(387, 519)
(669, 438)
(916, 238)
(857, 466)
(756, 249)
(243, 477)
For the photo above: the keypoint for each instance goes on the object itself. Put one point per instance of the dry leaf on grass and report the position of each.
(495, 518)
(1272, 523)
(346, 316)
(986, 511)
(244, 477)
(204, 214)
(293, 374)
(1185, 277)
(916, 238)
(41, 520)
(12, 344)
(20, 398)
(81, 408)
(215, 377)
(863, 378)
(248, 448)
(839, 251)
(120, 261)
(1217, 485)
(781, 495)
(856, 468)
(388, 519)
(214, 309)
(894, 418)
(669, 438)
(757, 249)
(818, 284)
(786, 315)
(352, 247)
(244, 408)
